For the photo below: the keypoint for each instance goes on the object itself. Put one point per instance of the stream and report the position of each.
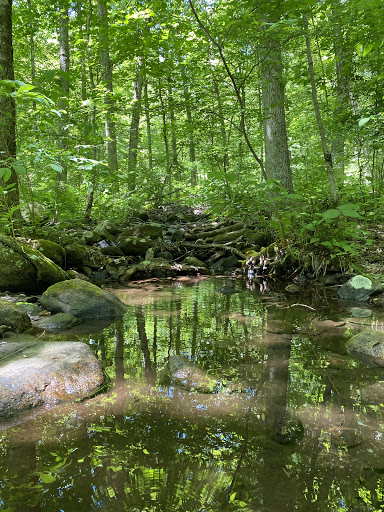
(146, 445)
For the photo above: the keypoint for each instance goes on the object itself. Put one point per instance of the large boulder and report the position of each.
(14, 316)
(368, 345)
(359, 289)
(84, 300)
(23, 268)
(41, 373)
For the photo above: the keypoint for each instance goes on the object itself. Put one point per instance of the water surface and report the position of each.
(145, 445)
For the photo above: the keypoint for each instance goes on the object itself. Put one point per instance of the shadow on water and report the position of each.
(304, 432)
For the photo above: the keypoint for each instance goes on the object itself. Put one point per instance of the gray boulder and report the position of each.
(23, 268)
(14, 316)
(42, 373)
(359, 289)
(368, 345)
(83, 300)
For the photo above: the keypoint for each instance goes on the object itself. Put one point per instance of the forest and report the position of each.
(268, 113)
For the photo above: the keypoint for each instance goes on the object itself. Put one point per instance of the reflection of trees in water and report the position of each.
(137, 453)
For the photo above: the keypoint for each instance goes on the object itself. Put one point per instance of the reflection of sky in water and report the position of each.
(147, 446)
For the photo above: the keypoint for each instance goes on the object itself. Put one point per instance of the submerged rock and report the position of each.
(368, 345)
(359, 289)
(187, 375)
(227, 290)
(83, 300)
(13, 316)
(289, 430)
(58, 321)
(41, 373)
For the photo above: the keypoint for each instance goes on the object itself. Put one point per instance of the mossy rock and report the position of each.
(30, 309)
(112, 250)
(14, 316)
(23, 268)
(51, 250)
(106, 226)
(368, 346)
(133, 246)
(194, 262)
(79, 255)
(83, 300)
(151, 230)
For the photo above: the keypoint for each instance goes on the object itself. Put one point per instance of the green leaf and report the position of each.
(47, 478)
(7, 174)
(2, 171)
(56, 167)
(19, 169)
(368, 49)
(363, 121)
(331, 214)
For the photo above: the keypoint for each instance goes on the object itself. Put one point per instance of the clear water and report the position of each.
(143, 445)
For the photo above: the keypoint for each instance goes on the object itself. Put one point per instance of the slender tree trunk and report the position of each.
(7, 106)
(235, 86)
(277, 164)
(148, 123)
(33, 70)
(342, 95)
(165, 130)
(94, 156)
(63, 101)
(191, 140)
(135, 125)
(223, 134)
(107, 78)
(327, 154)
(172, 119)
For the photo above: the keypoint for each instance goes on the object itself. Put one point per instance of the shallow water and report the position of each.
(144, 445)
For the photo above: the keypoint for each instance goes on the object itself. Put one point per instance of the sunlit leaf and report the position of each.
(47, 478)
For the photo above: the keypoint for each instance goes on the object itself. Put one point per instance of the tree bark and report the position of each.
(342, 95)
(7, 106)
(148, 123)
(63, 101)
(172, 119)
(135, 125)
(107, 78)
(277, 164)
(191, 140)
(327, 154)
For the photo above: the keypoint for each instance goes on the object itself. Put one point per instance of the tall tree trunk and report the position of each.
(33, 70)
(172, 119)
(327, 154)
(135, 124)
(223, 133)
(277, 164)
(63, 101)
(7, 106)
(342, 95)
(191, 140)
(106, 67)
(165, 130)
(94, 156)
(148, 123)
